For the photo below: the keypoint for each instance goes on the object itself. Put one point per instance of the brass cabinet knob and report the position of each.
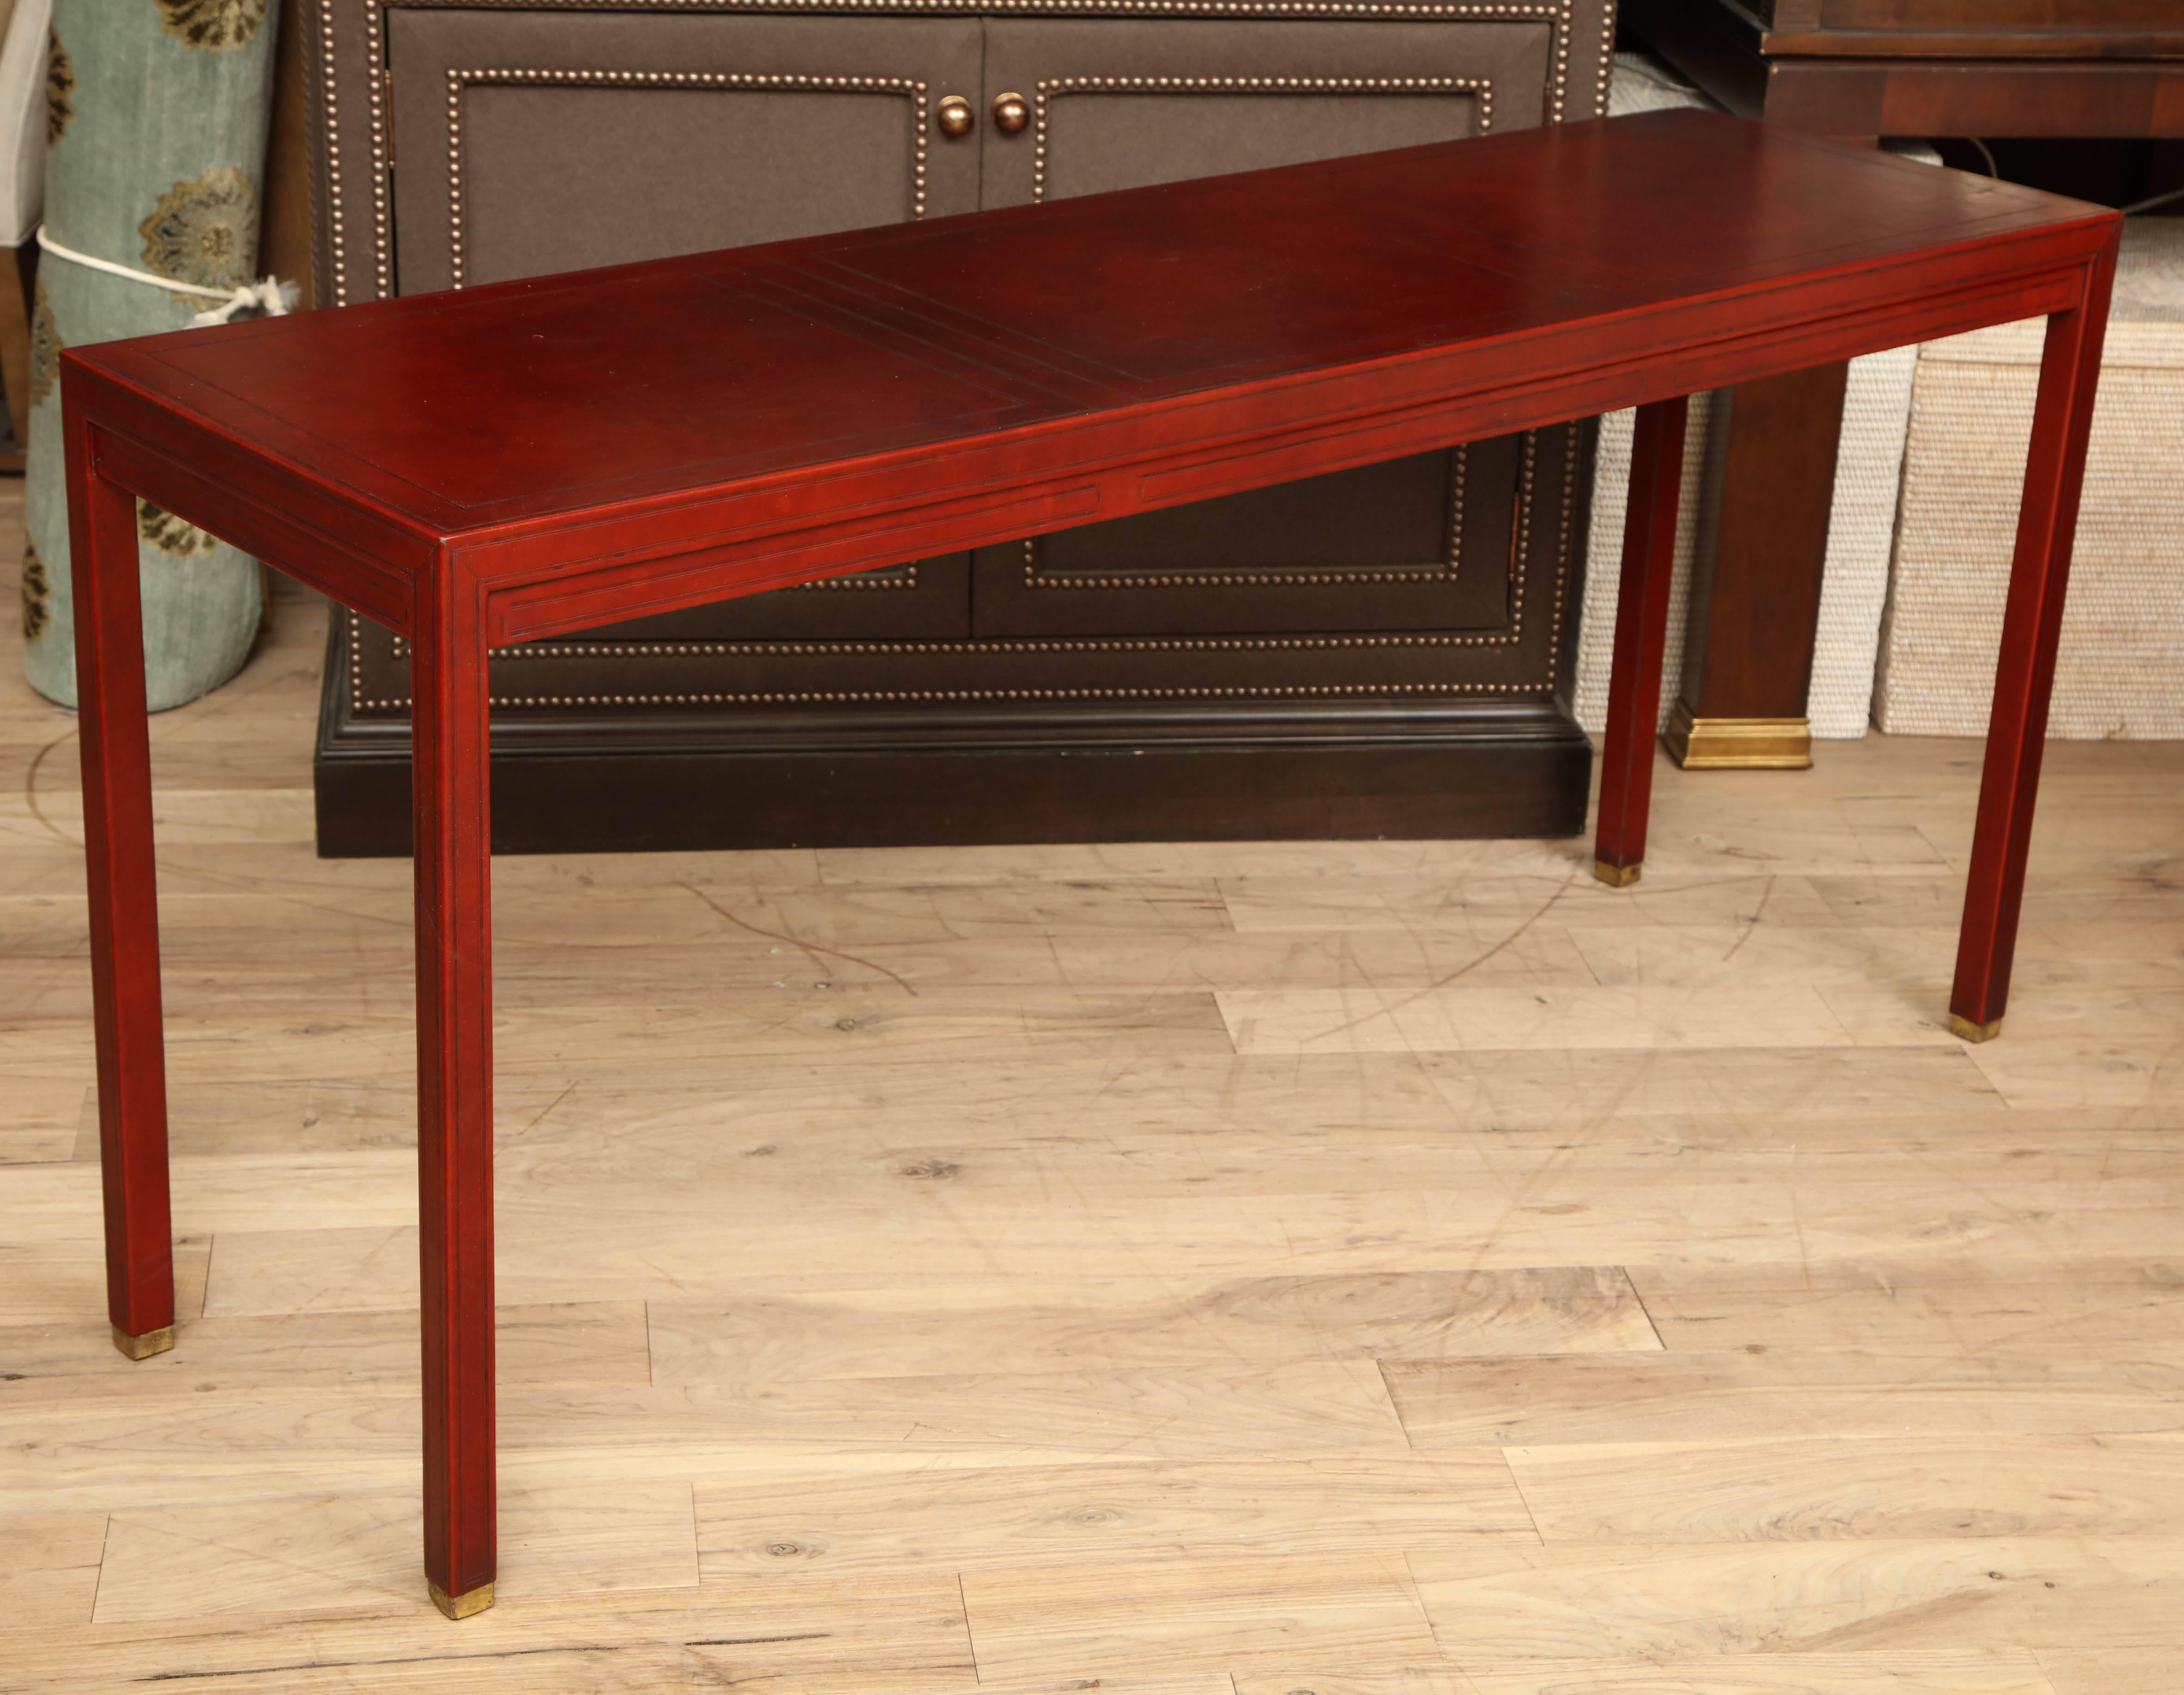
(954, 117)
(1011, 113)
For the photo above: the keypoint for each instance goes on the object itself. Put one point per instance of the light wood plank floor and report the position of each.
(1368, 1269)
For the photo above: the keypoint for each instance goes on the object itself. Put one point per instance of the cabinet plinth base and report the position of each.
(1738, 744)
(702, 782)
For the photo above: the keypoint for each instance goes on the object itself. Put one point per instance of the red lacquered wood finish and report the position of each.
(125, 912)
(2024, 671)
(537, 456)
(450, 803)
(1641, 633)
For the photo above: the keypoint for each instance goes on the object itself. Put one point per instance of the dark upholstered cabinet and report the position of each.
(1375, 652)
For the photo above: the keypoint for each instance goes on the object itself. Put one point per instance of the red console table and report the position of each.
(528, 460)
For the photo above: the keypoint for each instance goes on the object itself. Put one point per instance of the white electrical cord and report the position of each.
(273, 297)
(2150, 202)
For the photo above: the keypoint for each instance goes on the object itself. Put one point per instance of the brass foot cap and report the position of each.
(1616, 876)
(145, 1346)
(1969, 1031)
(463, 1605)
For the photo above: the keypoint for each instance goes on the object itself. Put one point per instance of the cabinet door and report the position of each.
(529, 142)
(1420, 543)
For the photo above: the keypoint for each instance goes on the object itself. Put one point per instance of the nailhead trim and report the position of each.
(884, 578)
(1607, 59)
(1557, 13)
(1541, 11)
(328, 88)
(940, 696)
(382, 234)
(1444, 572)
(1520, 543)
(1056, 644)
(1571, 442)
(1043, 90)
(499, 76)
(1520, 537)
(1050, 644)
(1519, 548)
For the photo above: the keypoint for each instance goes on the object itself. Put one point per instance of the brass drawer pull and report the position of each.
(954, 117)
(1011, 113)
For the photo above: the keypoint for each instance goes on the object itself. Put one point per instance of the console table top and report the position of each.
(1565, 270)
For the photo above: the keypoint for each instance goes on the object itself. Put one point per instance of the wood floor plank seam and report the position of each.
(106, 1534)
(1516, 1482)
(1639, 1295)
(970, 1630)
(1062, 1332)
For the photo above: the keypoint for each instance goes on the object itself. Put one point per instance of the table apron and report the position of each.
(369, 575)
(978, 494)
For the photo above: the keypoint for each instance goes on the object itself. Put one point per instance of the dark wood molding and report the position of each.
(1958, 29)
(285, 239)
(1877, 80)
(1755, 598)
(1336, 771)
(1972, 98)
(1863, 69)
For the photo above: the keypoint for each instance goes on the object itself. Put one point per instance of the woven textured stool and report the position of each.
(2120, 670)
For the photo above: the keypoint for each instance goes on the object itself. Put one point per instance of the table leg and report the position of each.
(2024, 671)
(1641, 631)
(124, 916)
(450, 809)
